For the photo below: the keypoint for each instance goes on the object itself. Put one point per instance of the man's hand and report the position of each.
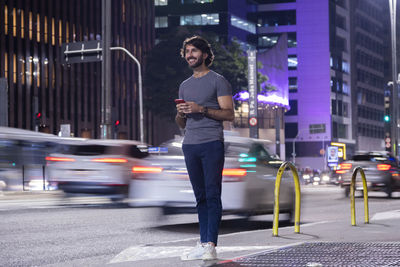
(191, 107)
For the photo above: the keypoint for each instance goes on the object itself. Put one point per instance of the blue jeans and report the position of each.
(205, 163)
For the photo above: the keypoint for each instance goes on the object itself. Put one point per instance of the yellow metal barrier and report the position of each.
(352, 201)
(276, 193)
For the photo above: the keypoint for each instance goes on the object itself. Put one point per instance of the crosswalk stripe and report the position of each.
(137, 253)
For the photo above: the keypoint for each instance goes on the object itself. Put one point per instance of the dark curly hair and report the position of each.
(200, 43)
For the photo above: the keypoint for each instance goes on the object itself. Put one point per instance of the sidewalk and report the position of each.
(324, 243)
(329, 244)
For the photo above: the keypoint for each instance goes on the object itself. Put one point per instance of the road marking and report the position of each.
(137, 253)
(393, 214)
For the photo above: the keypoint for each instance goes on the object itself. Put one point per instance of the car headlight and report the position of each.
(325, 178)
(317, 179)
(306, 176)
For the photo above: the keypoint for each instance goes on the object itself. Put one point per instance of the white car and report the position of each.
(247, 188)
(95, 166)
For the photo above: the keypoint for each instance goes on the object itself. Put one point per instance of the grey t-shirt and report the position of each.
(204, 91)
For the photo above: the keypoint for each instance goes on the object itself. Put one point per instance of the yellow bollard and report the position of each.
(282, 168)
(352, 191)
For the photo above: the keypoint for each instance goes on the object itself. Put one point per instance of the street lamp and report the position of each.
(392, 7)
(140, 89)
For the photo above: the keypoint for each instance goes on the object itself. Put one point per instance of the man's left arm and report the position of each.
(225, 113)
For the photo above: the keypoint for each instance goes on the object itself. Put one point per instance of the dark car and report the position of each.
(381, 172)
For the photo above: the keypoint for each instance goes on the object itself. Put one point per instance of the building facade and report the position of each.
(42, 90)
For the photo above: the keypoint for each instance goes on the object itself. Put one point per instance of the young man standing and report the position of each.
(208, 102)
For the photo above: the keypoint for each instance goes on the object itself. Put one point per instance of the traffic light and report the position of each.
(116, 124)
(386, 118)
(38, 117)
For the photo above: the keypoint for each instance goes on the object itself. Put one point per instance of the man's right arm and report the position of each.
(180, 119)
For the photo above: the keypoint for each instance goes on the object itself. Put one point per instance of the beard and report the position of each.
(197, 63)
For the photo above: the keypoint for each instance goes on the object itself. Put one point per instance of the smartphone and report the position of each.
(179, 101)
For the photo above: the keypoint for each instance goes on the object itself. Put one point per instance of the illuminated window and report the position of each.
(243, 24)
(46, 31)
(123, 11)
(6, 65)
(6, 20)
(292, 62)
(60, 32)
(15, 68)
(160, 2)
(268, 41)
(67, 32)
(30, 25)
(346, 66)
(203, 19)
(161, 22)
(14, 22)
(53, 32)
(22, 25)
(38, 28)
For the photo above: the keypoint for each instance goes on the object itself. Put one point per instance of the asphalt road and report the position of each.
(49, 231)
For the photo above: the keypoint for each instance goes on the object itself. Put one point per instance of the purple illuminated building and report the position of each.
(336, 55)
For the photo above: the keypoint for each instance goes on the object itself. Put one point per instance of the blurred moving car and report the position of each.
(95, 166)
(381, 172)
(247, 187)
(22, 158)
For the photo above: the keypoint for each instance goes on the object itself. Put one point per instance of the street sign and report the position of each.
(252, 84)
(253, 121)
(81, 52)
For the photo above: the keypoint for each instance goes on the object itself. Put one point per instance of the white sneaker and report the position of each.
(195, 254)
(209, 252)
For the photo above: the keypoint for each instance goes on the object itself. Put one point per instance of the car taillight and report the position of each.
(146, 169)
(345, 166)
(61, 159)
(110, 160)
(383, 167)
(233, 175)
(234, 172)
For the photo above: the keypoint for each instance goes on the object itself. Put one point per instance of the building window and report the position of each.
(292, 62)
(292, 39)
(277, 18)
(342, 130)
(160, 2)
(345, 109)
(267, 41)
(292, 84)
(293, 108)
(345, 67)
(243, 24)
(333, 106)
(346, 88)
(203, 19)
(161, 22)
(341, 22)
(271, 39)
(291, 129)
(317, 128)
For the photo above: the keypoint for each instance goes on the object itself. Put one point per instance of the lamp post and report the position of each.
(392, 7)
(140, 89)
(294, 146)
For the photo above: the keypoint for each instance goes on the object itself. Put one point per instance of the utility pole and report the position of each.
(106, 126)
